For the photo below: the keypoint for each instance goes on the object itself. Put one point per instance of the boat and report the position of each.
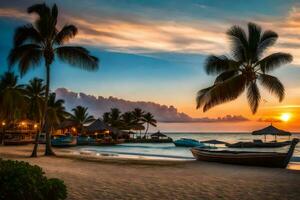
(258, 144)
(185, 142)
(265, 159)
(67, 140)
(85, 140)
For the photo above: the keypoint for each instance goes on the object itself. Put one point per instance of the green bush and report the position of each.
(22, 181)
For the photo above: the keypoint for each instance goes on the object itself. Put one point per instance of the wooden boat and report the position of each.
(265, 159)
(258, 144)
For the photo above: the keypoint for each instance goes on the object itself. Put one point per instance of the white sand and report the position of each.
(131, 179)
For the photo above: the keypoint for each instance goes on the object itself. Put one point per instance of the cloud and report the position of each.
(269, 120)
(169, 114)
(132, 33)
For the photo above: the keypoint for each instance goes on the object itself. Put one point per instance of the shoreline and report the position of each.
(88, 177)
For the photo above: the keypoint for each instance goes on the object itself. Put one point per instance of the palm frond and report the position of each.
(267, 40)
(28, 56)
(226, 91)
(66, 33)
(202, 97)
(217, 64)
(77, 56)
(26, 33)
(225, 75)
(239, 43)
(253, 96)
(272, 84)
(274, 61)
(254, 32)
(40, 9)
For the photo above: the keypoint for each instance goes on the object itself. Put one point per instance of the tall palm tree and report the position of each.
(138, 115)
(56, 113)
(43, 41)
(247, 67)
(148, 118)
(35, 92)
(81, 117)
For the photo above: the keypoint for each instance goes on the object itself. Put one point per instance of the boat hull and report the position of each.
(242, 158)
(259, 145)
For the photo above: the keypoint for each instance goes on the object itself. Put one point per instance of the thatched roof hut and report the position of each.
(271, 130)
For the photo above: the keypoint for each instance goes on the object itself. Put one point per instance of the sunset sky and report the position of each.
(154, 51)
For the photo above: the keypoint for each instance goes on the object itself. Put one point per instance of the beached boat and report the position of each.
(266, 159)
(63, 140)
(85, 140)
(258, 144)
(185, 142)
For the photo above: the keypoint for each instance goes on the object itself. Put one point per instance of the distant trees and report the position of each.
(131, 121)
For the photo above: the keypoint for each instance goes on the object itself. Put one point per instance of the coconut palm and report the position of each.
(35, 92)
(115, 118)
(138, 115)
(148, 118)
(81, 117)
(12, 102)
(127, 121)
(44, 41)
(244, 70)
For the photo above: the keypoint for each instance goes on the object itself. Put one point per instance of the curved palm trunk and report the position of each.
(36, 142)
(48, 150)
(146, 131)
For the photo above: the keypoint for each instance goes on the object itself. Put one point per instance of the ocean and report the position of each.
(170, 151)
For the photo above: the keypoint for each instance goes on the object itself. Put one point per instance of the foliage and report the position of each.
(22, 181)
(244, 69)
(81, 117)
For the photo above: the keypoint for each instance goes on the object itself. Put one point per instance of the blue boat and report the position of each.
(85, 140)
(185, 142)
(63, 140)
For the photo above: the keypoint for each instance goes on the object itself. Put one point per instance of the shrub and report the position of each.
(22, 181)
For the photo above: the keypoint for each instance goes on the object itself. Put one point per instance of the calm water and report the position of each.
(169, 150)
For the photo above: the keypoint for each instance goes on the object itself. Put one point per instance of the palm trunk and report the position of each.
(36, 142)
(48, 150)
(146, 131)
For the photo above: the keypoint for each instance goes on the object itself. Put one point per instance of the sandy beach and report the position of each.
(89, 178)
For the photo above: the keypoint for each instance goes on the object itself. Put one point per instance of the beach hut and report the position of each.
(271, 130)
(158, 135)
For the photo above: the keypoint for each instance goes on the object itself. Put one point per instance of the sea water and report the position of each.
(170, 151)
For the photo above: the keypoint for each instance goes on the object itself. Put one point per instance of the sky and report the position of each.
(154, 51)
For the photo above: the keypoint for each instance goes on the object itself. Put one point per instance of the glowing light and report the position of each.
(35, 126)
(3, 123)
(23, 123)
(285, 117)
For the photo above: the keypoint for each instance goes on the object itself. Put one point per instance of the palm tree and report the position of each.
(148, 118)
(35, 92)
(81, 117)
(115, 118)
(127, 121)
(56, 113)
(12, 102)
(138, 115)
(43, 41)
(244, 69)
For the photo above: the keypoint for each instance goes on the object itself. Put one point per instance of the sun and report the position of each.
(285, 117)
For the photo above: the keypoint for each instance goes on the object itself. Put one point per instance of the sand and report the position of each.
(90, 178)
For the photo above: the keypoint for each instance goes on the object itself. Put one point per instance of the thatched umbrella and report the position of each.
(158, 135)
(271, 130)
